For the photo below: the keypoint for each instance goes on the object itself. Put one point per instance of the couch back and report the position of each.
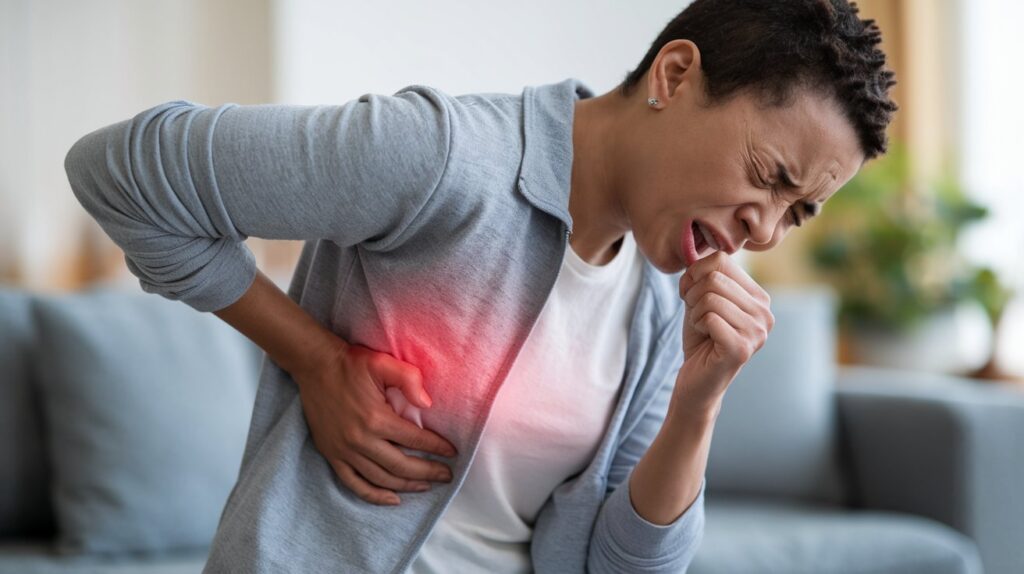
(777, 432)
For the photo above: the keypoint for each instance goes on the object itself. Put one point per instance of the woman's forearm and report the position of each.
(667, 479)
(290, 336)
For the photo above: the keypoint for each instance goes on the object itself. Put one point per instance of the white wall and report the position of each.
(992, 149)
(993, 92)
(330, 52)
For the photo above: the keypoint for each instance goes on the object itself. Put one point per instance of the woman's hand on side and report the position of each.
(343, 396)
(727, 320)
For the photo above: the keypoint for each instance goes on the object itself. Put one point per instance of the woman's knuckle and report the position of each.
(748, 350)
(339, 469)
(762, 336)
(441, 472)
(354, 439)
(373, 475)
(694, 296)
(385, 469)
(716, 302)
(418, 442)
(392, 482)
(364, 491)
(376, 422)
(707, 298)
(414, 373)
(372, 360)
(413, 471)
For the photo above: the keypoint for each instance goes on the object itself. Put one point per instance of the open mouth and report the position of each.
(699, 241)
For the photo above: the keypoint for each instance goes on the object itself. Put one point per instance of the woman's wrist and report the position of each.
(691, 406)
(289, 335)
(318, 347)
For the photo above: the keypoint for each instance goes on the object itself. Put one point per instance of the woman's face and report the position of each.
(727, 169)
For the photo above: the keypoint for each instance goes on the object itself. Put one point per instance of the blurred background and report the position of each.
(890, 384)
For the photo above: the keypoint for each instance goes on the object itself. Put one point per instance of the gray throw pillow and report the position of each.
(777, 432)
(147, 405)
(25, 510)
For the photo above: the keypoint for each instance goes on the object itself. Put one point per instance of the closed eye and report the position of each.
(809, 209)
(775, 195)
(782, 174)
(792, 214)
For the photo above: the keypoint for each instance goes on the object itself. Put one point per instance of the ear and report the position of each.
(676, 66)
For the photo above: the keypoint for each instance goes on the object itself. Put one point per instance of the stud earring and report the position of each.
(652, 101)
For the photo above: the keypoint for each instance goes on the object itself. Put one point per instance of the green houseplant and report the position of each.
(890, 251)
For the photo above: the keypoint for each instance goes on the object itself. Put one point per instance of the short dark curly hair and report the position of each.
(771, 47)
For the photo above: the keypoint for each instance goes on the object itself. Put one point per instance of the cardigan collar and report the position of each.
(546, 172)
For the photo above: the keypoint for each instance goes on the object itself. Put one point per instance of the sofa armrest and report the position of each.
(939, 446)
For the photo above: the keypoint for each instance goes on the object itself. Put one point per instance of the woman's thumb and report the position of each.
(402, 407)
(407, 378)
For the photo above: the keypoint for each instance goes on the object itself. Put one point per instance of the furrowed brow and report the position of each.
(784, 177)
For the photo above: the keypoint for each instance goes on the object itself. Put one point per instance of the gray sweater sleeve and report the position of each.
(180, 186)
(624, 541)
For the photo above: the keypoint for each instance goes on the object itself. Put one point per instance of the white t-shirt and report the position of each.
(547, 421)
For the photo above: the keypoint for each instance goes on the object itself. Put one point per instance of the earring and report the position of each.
(652, 101)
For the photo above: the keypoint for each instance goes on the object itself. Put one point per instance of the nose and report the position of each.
(758, 224)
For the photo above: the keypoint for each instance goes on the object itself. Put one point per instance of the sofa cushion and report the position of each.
(751, 536)
(777, 431)
(25, 510)
(147, 405)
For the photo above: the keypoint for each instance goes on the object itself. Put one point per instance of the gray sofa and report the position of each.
(123, 417)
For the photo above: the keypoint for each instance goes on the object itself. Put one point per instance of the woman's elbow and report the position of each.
(85, 156)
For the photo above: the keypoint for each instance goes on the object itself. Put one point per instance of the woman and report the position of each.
(461, 244)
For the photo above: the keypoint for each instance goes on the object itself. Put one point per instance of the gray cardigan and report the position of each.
(435, 227)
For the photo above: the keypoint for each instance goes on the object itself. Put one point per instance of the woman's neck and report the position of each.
(599, 220)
